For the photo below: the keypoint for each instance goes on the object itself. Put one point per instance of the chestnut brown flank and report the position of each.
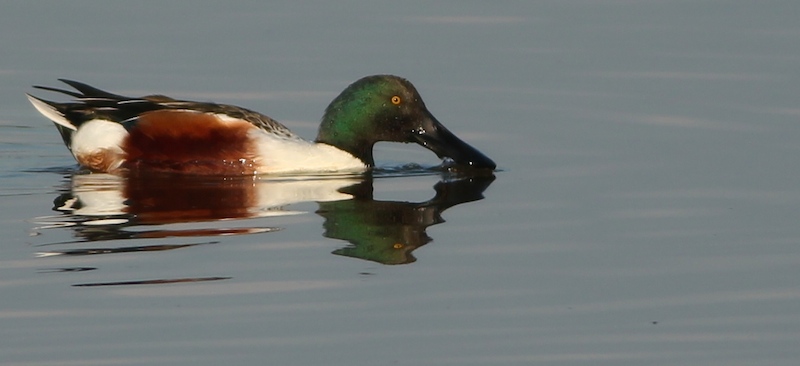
(190, 142)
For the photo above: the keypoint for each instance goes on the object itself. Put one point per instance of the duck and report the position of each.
(111, 133)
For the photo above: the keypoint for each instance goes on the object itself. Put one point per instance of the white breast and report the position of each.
(279, 154)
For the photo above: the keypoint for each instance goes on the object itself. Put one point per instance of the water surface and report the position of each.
(645, 211)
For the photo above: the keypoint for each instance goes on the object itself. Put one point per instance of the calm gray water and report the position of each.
(645, 212)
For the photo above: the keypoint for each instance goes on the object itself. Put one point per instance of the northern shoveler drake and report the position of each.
(112, 133)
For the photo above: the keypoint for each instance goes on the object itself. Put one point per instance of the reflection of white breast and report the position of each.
(281, 193)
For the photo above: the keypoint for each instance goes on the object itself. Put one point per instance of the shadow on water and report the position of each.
(104, 209)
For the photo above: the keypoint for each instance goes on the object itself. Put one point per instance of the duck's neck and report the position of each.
(340, 131)
(362, 152)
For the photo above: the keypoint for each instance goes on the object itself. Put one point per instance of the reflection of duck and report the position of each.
(105, 207)
(111, 133)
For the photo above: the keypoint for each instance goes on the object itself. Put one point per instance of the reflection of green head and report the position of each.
(377, 231)
(378, 252)
(388, 231)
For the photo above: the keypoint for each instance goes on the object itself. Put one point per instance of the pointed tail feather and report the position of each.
(51, 111)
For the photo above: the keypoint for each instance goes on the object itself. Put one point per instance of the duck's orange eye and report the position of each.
(396, 100)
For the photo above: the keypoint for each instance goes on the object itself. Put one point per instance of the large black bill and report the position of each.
(434, 136)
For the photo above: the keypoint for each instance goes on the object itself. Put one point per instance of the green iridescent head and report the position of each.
(389, 108)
